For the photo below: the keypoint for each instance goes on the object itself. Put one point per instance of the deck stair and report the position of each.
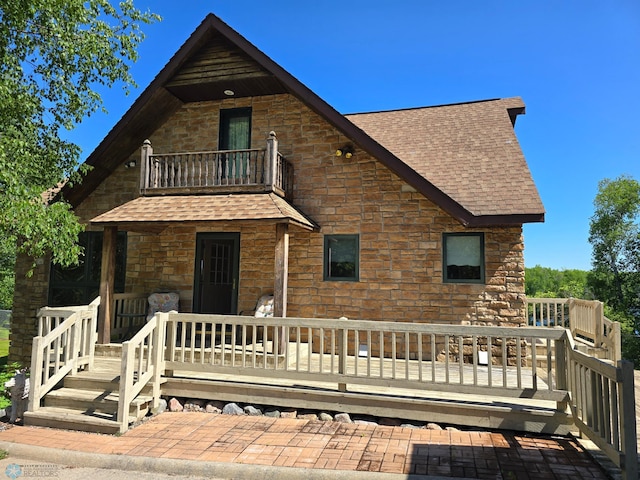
(88, 401)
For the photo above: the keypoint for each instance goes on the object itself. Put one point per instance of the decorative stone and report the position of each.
(433, 426)
(272, 413)
(175, 405)
(194, 405)
(307, 416)
(211, 407)
(289, 414)
(325, 417)
(452, 429)
(342, 418)
(161, 408)
(252, 411)
(364, 422)
(232, 409)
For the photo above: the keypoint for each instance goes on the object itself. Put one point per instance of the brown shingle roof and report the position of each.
(203, 208)
(469, 151)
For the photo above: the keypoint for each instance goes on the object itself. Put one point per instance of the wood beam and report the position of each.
(107, 281)
(281, 280)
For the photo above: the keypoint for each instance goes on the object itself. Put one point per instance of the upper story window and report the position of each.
(341, 258)
(80, 284)
(235, 129)
(463, 257)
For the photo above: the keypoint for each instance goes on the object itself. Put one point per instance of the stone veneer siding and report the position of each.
(400, 234)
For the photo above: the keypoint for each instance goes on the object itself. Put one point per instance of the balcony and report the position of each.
(216, 172)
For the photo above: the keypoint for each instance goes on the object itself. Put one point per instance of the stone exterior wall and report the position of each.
(400, 234)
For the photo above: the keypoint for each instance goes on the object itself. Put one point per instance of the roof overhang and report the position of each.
(154, 214)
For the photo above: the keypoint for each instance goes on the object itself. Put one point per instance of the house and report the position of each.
(228, 179)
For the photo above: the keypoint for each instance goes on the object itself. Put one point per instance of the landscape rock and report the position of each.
(289, 414)
(433, 426)
(232, 409)
(161, 408)
(272, 413)
(212, 407)
(325, 417)
(194, 405)
(342, 418)
(252, 411)
(175, 405)
(307, 416)
(364, 422)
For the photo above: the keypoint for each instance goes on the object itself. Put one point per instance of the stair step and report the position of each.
(104, 402)
(70, 419)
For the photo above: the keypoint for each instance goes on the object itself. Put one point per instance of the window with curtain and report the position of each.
(463, 257)
(235, 134)
(80, 284)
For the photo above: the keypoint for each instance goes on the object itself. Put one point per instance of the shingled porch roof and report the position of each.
(152, 214)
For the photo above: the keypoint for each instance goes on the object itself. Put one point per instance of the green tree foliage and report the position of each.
(54, 54)
(550, 283)
(7, 263)
(615, 237)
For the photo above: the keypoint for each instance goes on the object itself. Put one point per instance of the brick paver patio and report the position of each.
(331, 445)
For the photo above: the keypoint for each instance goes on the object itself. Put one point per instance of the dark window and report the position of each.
(341, 254)
(235, 129)
(463, 257)
(80, 284)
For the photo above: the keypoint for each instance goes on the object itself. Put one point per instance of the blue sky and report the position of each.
(575, 63)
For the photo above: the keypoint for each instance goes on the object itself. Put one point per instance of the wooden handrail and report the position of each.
(66, 343)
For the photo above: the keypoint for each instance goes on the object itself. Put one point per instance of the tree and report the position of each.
(54, 54)
(615, 236)
(547, 282)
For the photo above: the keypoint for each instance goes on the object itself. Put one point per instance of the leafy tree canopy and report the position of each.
(551, 283)
(615, 237)
(53, 56)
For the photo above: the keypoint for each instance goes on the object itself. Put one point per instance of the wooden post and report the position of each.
(145, 167)
(281, 279)
(107, 280)
(272, 161)
(628, 421)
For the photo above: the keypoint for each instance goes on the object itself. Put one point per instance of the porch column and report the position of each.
(107, 280)
(281, 279)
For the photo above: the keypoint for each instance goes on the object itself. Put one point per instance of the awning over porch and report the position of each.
(155, 213)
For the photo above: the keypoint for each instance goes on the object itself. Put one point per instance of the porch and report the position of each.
(527, 378)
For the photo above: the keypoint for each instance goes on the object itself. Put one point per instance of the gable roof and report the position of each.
(469, 151)
(248, 71)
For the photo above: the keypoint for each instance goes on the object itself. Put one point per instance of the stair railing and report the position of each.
(602, 403)
(142, 363)
(64, 345)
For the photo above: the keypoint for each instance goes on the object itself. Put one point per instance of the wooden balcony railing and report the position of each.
(221, 171)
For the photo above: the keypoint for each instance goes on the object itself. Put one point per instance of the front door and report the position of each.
(216, 273)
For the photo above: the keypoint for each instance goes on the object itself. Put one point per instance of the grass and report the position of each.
(4, 346)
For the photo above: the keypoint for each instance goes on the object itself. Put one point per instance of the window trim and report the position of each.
(445, 278)
(326, 258)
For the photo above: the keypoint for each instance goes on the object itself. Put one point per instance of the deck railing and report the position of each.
(65, 344)
(603, 406)
(584, 318)
(247, 170)
(468, 359)
(142, 364)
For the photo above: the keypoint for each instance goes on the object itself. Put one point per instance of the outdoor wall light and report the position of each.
(129, 164)
(347, 151)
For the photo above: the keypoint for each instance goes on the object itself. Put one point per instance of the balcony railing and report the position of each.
(221, 171)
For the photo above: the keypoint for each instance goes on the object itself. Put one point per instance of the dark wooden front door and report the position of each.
(216, 273)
